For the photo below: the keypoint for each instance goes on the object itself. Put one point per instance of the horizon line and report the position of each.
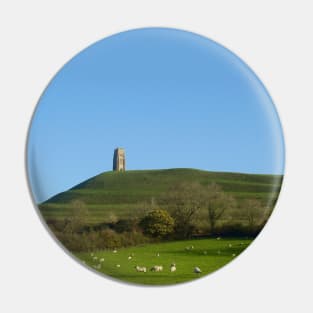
(161, 169)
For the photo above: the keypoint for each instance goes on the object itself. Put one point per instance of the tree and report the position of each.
(217, 202)
(78, 217)
(157, 223)
(143, 208)
(252, 207)
(184, 201)
(255, 213)
(112, 218)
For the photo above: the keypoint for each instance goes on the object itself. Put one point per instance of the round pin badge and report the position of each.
(155, 156)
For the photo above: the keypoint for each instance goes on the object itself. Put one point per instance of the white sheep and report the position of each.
(129, 257)
(188, 248)
(118, 265)
(197, 270)
(141, 269)
(114, 251)
(173, 267)
(156, 268)
(102, 260)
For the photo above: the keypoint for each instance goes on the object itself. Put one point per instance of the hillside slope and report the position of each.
(119, 193)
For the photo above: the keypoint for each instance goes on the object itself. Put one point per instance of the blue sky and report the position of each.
(170, 98)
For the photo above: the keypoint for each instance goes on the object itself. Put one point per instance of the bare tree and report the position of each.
(78, 217)
(112, 218)
(255, 212)
(143, 208)
(183, 201)
(252, 210)
(217, 202)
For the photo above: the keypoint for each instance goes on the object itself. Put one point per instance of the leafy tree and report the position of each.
(157, 223)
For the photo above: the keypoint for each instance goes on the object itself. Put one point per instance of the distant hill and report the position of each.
(120, 193)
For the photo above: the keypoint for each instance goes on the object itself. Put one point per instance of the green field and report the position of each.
(122, 193)
(207, 254)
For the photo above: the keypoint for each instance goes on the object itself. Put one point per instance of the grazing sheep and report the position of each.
(158, 254)
(129, 257)
(141, 269)
(102, 260)
(233, 254)
(173, 267)
(218, 238)
(189, 248)
(156, 268)
(114, 251)
(197, 270)
(97, 266)
(118, 265)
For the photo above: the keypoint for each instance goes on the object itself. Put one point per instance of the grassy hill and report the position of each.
(120, 193)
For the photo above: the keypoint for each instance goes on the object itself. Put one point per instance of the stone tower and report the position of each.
(119, 160)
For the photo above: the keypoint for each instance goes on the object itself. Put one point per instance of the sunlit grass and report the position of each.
(207, 254)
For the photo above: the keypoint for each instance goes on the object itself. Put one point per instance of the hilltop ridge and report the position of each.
(120, 192)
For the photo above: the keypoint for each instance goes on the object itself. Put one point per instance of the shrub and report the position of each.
(56, 225)
(125, 225)
(108, 239)
(157, 223)
(237, 230)
(98, 240)
(133, 238)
